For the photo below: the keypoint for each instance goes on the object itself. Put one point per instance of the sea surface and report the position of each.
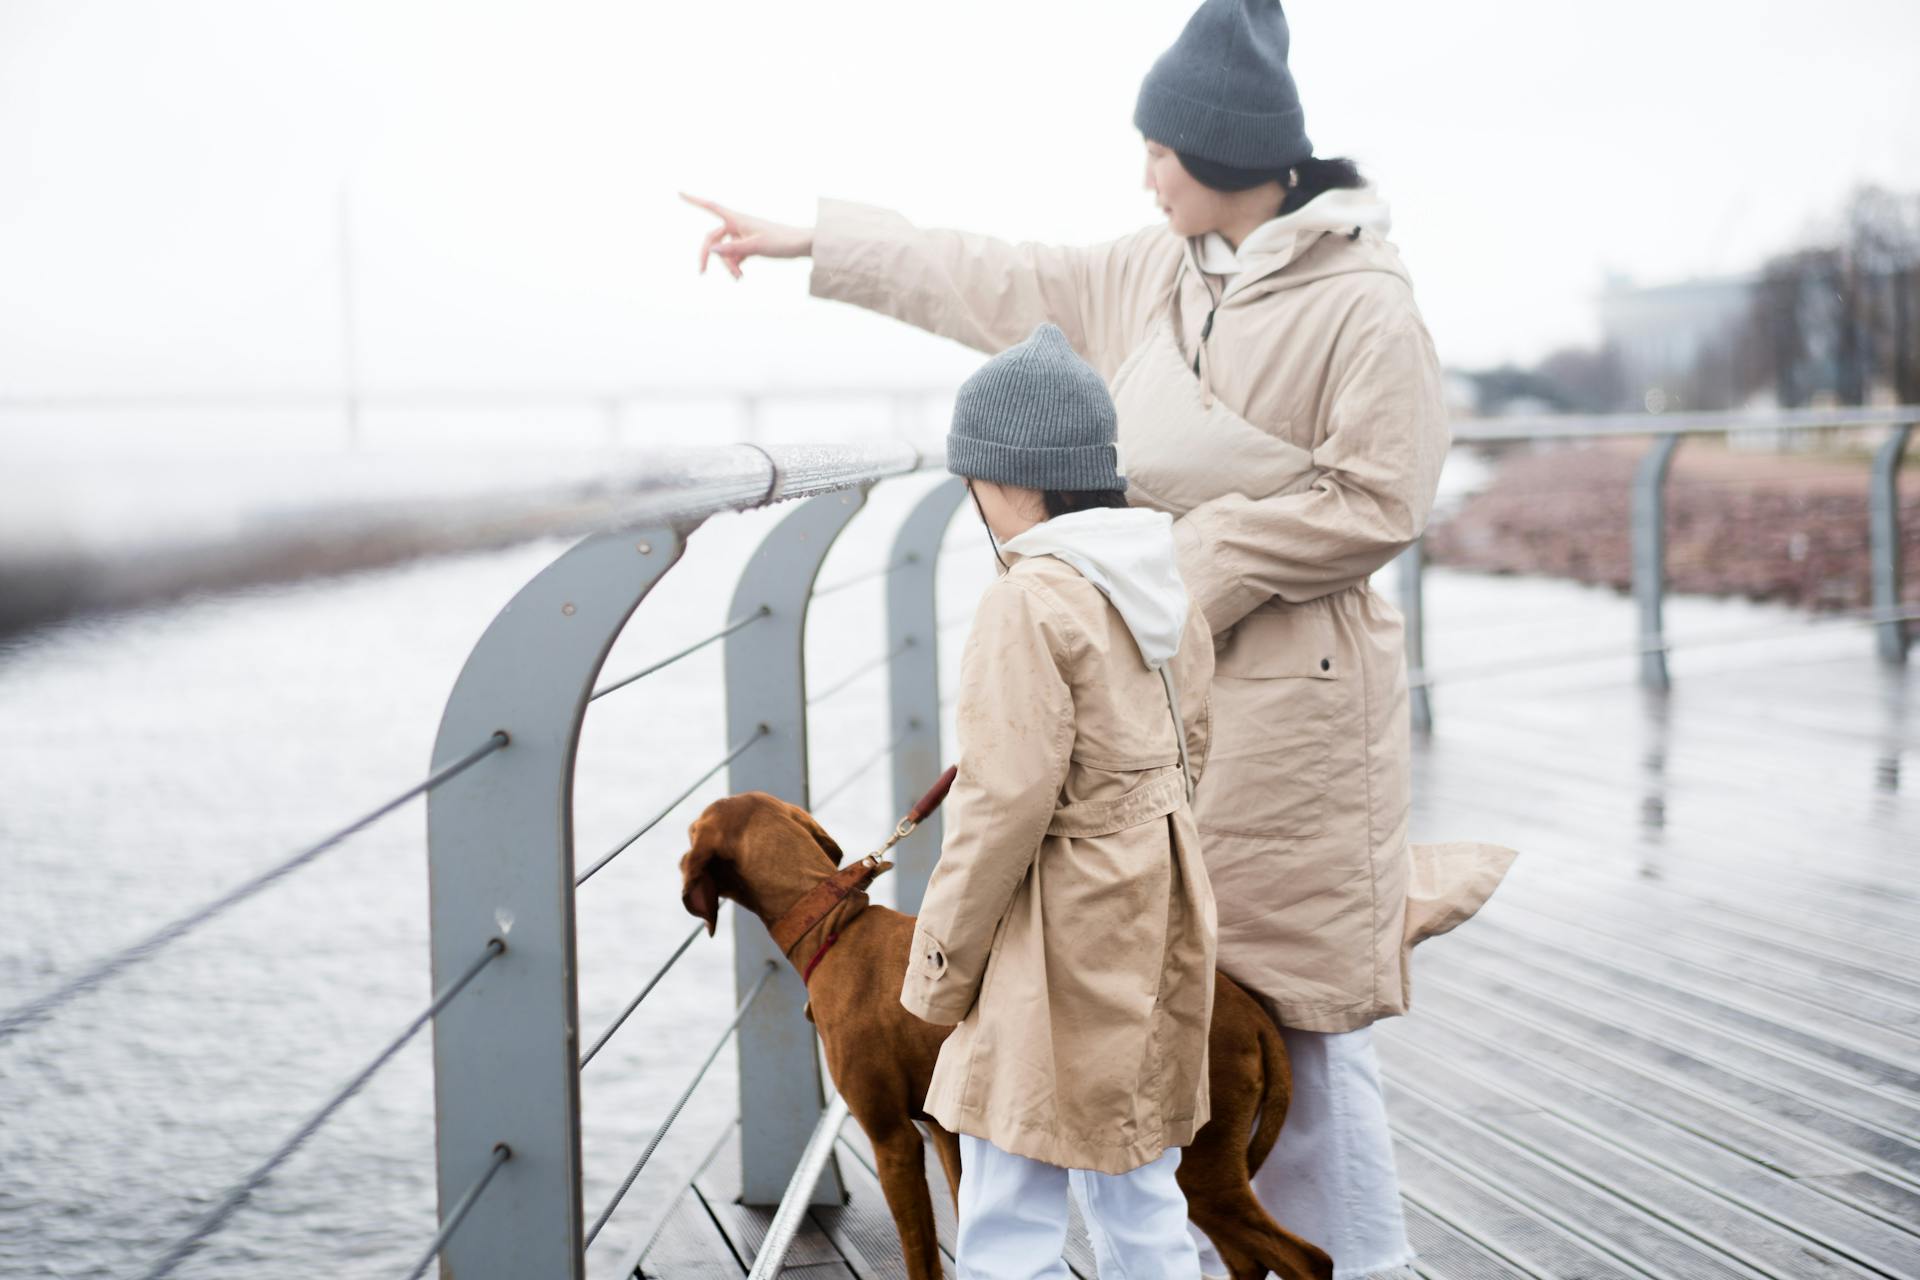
(150, 760)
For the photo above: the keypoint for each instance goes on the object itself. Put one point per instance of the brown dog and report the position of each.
(773, 859)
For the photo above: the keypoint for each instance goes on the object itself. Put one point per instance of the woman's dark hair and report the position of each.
(1059, 502)
(1316, 176)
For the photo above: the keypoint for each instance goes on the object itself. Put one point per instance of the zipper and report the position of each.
(1206, 330)
(1206, 326)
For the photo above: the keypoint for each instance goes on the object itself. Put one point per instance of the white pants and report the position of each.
(1330, 1178)
(1013, 1218)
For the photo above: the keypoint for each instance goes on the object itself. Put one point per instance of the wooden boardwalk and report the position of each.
(1683, 1042)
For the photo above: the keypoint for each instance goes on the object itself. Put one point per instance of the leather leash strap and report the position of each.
(823, 898)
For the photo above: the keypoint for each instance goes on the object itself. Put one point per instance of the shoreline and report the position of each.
(1774, 527)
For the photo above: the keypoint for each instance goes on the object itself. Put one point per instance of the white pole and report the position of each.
(349, 344)
(793, 1204)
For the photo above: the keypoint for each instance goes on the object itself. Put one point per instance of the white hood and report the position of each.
(1128, 554)
(1341, 209)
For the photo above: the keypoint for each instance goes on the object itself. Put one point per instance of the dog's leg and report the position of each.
(1251, 1243)
(901, 1156)
(947, 1145)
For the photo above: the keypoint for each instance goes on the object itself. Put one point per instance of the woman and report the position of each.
(1279, 396)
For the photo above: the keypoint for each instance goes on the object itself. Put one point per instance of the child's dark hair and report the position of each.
(1059, 502)
(1316, 176)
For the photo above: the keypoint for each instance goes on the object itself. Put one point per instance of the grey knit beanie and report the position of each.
(1036, 416)
(1223, 91)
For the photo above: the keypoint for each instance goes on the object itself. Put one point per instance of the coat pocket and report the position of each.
(1278, 697)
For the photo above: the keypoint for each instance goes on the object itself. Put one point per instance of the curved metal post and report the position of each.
(780, 1093)
(913, 633)
(1650, 556)
(500, 863)
(1413, 562)
(1883, 525)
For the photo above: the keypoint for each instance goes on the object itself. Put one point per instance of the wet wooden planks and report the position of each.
(707, 1233)
(1684, 1038)
(1682, 1041)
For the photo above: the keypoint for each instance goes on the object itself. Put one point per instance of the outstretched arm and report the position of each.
(984, 292)
(990, 293)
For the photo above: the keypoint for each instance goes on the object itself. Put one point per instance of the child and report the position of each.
(1068, 929)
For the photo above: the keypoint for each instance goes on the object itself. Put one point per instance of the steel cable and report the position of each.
(830, 794)
(865, 576)
(762, 612)
(677, 801)
(652, 982)
(653, 1143)
(1866, 617)
(864, 669)
(146, 947)
(241, 1191)
(501, 1154)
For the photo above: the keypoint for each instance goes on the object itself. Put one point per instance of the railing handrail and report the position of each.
(678, 487)
(1584, 426)
(445, 397)
(1465, 429)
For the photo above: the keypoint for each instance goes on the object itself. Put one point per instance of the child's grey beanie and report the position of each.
(1036, 416)
(1223, 91)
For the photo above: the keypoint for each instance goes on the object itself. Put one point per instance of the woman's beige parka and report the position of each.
(1316, 356)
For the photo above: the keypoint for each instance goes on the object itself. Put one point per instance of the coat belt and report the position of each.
(1157, 797)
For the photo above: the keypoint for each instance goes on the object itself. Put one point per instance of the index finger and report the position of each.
(716, 210)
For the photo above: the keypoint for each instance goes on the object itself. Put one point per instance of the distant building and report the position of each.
(1661, 332)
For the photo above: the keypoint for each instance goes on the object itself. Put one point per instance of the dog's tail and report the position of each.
(1276, 1090)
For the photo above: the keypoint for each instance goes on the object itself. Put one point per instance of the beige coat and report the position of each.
(1299, 447)
(1068, 928)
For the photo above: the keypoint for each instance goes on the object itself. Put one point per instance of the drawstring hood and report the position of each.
(1128, 554)
(991, 540)
(1275, 245)
(1277, 241)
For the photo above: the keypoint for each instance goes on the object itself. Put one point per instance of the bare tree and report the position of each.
(1840, 319)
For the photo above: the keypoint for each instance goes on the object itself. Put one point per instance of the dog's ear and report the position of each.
(818, 832)
(698, 892)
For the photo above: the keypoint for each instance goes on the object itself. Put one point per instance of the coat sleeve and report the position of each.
(1015, 723)
(1196, 698)
(989, 293)
(1378, 468)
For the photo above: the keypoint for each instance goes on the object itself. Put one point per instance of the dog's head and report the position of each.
(756, 849)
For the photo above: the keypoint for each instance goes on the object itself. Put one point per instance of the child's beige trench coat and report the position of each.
(1068, 928)
(1298, 447)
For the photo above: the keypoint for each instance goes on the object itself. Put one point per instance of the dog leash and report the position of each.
(818, 901)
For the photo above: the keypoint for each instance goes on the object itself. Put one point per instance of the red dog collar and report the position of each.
(817, 902)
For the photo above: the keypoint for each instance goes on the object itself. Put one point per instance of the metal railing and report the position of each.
(507, 1042)
(1888, 616)
(500, 849)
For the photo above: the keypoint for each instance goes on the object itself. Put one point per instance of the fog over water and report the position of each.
(172, 176)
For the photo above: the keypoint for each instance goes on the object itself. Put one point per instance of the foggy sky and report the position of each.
(171, 174)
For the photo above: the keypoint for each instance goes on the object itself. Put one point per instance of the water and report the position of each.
(150, 760)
